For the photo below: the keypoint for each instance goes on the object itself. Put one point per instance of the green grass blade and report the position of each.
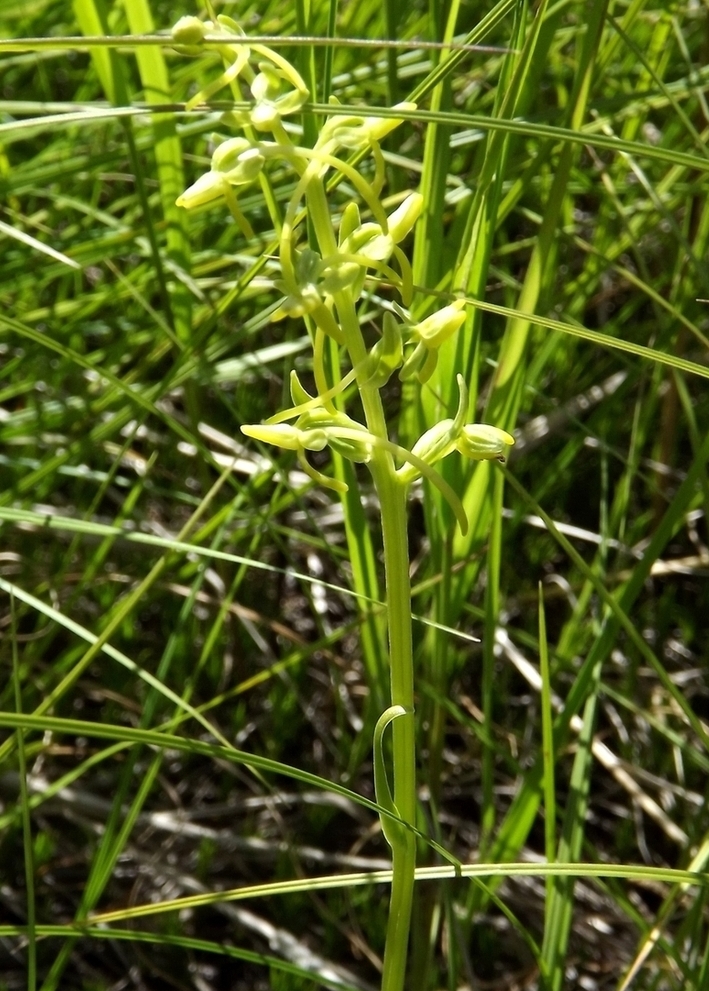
(560, 906)
(25, 814)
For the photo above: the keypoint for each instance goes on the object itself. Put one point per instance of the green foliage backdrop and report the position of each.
(193, 658)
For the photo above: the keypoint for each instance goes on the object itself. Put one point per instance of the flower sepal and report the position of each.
(355, 132)
(386, 355)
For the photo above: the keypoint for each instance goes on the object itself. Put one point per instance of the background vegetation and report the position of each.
(178, 593)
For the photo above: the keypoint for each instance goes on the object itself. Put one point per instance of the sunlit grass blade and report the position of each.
(25, 815)
(560, 903)
(548, 751)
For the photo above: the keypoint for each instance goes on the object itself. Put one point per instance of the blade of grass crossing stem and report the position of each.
(474, 872)
(559, 908)
(25, 805)
(168, 741)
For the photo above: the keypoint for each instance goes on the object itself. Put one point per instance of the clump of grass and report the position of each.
(198, 641)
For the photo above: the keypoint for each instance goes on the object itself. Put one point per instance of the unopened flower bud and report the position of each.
(358, 132)
(238, 160)
(279, 434)
(435, 444)
(190, 31)
(235, 162)
(435, 329)
(350, 221)
(208, 187)
(379, 127)
(481, 442)
(338, 275)
(405, 216)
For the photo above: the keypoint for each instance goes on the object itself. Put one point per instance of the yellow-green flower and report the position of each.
(235, 162)
(482, 442)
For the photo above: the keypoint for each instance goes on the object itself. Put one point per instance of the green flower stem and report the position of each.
(343, 327)
(392, 500)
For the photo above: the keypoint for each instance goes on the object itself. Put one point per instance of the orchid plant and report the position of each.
(323, 282)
